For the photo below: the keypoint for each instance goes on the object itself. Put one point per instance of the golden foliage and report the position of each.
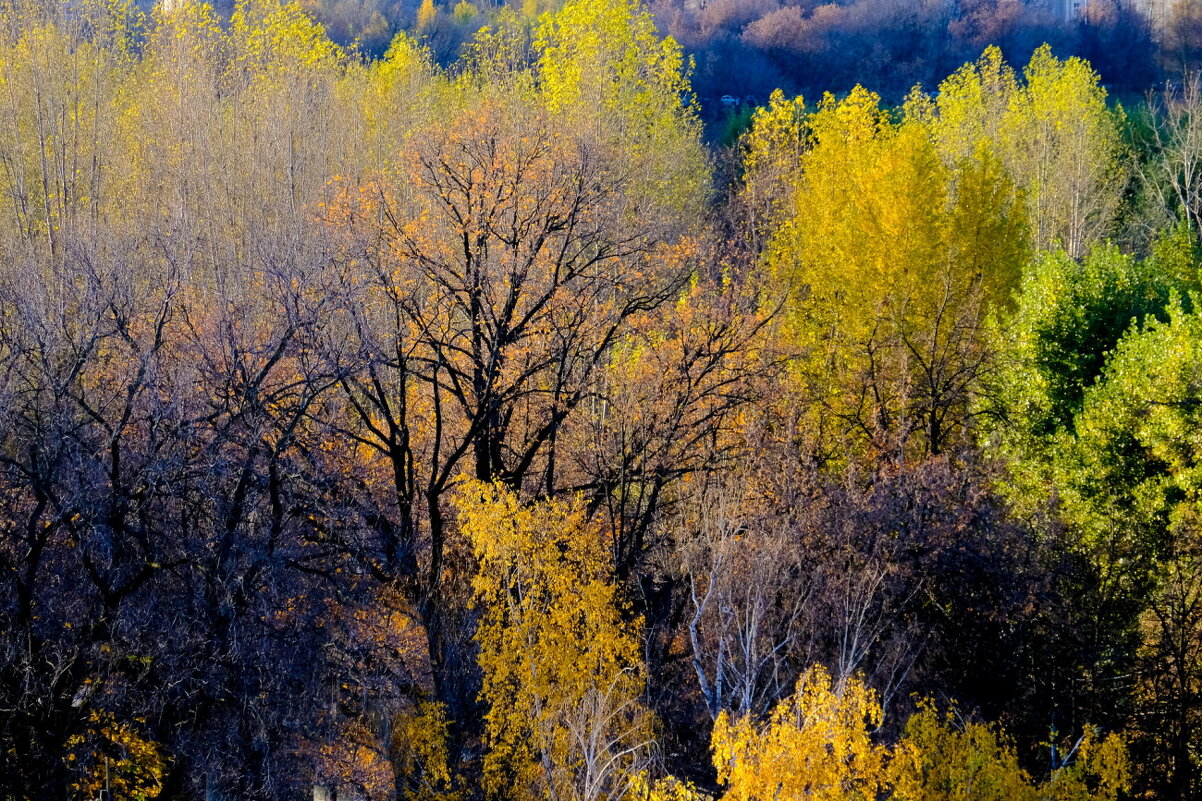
(562, 669)
(420, 755)
(354, 756)
(816, 745)
(604, 69)
(891, 258)
(773, 150)
(668, 788)
(942, 756)
(819, 744)
(115, 755)
(1053, 132)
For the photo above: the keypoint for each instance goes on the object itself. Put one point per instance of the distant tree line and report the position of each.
(754, 47)
(747, 48)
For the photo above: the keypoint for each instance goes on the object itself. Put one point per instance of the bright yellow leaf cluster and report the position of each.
(1054, 133)
(561, 668)
(820, 744)
(891, 258)
(816, 745)
(113, 754)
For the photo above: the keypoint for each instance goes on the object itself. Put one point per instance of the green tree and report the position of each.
(1129, 483)
(1067, 422)
(1068, 316)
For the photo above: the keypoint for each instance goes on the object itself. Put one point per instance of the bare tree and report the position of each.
(748, 590)
(1174, 178)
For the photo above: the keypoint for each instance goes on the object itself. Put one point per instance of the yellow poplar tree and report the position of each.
(603, 67)
(1062, 143)
(1054, 133)
(943, 757)
(972, 104)
(283, 70)
(427, 13)
(816, 746)
(561, 668)
(171, 122)
(393, 96)
(772, 153)
(56, 99)
(892, 259)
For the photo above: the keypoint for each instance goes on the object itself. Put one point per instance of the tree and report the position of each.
(773, 156)
(427, 13)
(498, 275)
(816, 744)
(972, 104)
(604, 69)
(744, 635)
(891, 273)
(1182, 37)
(669, 409)
(1063, 147)
(1129, 485)
(1068, 317)
(562, 672)
(1079, 425)
(1053, 132)
(944, 756)
(113, 758)
(172, 128)
(1173, 176)
(59, 87)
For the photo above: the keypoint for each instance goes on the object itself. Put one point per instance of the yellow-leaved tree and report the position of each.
(1053, 131)
(110, 754)
(283, 69)
(1062, 143)
(772, 152)
(420, 755)
(57, 84)
(604, 69)
(562, 673)
(427, 14)
(892, 259)
(816, 745)
(972, 105)
(228, 134)
(944, 757)
(171, 128)
(820, 745)
(394, 96)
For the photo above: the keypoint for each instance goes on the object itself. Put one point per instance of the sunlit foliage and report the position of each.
(457, 418)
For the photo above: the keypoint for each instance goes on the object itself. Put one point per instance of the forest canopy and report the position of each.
(476, 425)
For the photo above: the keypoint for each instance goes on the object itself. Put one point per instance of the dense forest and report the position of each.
(485, 429)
